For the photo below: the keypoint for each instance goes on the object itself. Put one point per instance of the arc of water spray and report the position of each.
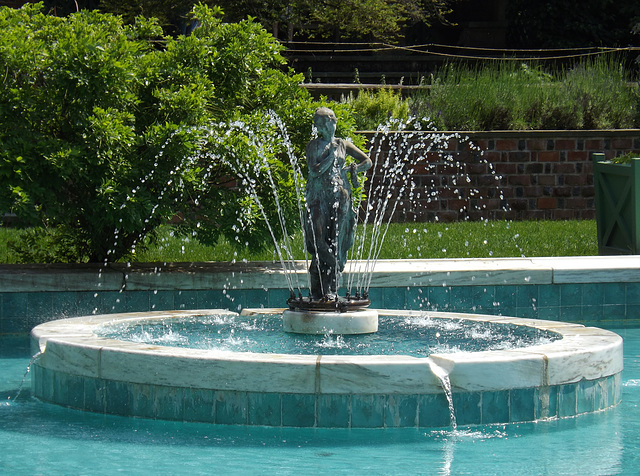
(297, 180)
(390, 195)
(356, 268)
(391, 174)
(363, 268)
(377, 244)
(33, 359)
(288, 264)
(387, 182)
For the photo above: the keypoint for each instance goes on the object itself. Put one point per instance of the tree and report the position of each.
(172, 16)
(104, 136)
(382, 20)
(341, 19)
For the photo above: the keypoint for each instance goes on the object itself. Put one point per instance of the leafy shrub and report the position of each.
(104, 129)
(374, 108)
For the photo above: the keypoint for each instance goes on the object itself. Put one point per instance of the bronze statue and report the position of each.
(331, 218)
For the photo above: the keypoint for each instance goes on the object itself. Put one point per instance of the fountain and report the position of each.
(109, 364)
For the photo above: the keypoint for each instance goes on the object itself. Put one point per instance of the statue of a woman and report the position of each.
(331, 218)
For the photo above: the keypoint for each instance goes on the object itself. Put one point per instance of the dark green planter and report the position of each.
(617, 196)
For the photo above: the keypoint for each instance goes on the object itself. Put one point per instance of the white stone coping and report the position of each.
(260, 275)
(71, 346)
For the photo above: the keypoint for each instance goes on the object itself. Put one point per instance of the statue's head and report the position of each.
(325, 121)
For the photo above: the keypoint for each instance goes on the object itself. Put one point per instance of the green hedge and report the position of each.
(108, 130)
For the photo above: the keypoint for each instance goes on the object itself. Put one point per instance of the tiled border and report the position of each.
(589, 290)
(576, 374)
(324, 410)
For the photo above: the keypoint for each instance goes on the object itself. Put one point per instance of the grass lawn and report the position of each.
(491, 239)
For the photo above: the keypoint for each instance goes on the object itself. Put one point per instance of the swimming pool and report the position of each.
(38, 438)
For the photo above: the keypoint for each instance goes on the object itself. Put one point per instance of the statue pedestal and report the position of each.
(328, 322)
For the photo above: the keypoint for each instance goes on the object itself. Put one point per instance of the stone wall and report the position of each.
(515, 175)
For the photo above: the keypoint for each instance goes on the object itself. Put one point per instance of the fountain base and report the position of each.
(579, 373)
(363, 321)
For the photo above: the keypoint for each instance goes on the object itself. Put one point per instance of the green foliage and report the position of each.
(104, 136)
(172, 16)
(625, 158)
(371, 109)
(42, 245)
(68, 83)
(380, 19)
(594, 94)
(383, 20)
(6, 254)
(603, 94)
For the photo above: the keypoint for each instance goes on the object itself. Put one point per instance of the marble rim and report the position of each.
(583, 353)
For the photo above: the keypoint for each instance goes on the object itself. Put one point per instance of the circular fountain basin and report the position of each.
(577, 373)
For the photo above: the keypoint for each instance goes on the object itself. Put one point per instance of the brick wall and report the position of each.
(516, 175)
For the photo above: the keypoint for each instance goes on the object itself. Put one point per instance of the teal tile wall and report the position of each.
(118, 397)
(199, 405)
(87, 303)
(416, 297)
(468, 408)
(522, 404)
(439, 298)
(546, 402)
(567, 401)
(66, 303)
(112, 302)
(143, 400)
(264, 409)
(298, 410)
(168, 402)
(433, 411)
(506, 298)
(605, 304)
(401, 411)
(275, 298)
(495, 407)
(333, 411)
(161, 300)
(231, 408)
(323, 410)
(185, 299)
(94, 397)
(14, 313)
(213, 299)
(587, 397)
(367, 411)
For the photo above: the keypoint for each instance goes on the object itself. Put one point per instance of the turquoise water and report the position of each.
(418, 336)
(37, 438)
